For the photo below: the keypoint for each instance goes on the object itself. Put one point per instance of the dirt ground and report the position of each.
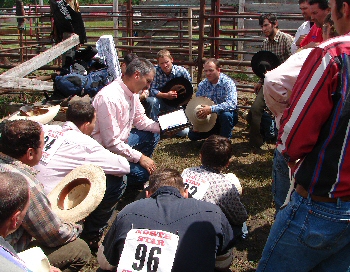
(251, 166)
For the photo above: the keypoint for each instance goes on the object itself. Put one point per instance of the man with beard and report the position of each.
(278, 43)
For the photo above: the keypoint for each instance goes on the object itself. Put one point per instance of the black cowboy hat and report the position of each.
(264, 61)
(184, 90)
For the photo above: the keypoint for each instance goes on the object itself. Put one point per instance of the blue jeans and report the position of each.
(145, 142)
(309, 236)
(280, 179)
(224, 125)
(97, 221)
(153, 106)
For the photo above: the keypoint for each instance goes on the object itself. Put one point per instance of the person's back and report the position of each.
(208, 182)
(203, 230)
(70, 145)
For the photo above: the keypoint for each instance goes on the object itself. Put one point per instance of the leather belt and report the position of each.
(302, 192)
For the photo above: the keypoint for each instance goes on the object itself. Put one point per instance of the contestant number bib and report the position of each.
(53, 139)
(148, 251)
(196, 185)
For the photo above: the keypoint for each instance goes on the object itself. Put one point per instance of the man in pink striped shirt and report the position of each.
(122, 125)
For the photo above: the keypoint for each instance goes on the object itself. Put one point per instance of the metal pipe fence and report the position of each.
(191, 33)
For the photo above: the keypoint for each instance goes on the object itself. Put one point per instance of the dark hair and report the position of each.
(80, 112)
(271, 17)
(339, 5)
(322, 4)
(302, 1)
(13, 194)
(216, 152)
(18, 136)
(129, 58)
(165, 177)
(141, 65)
(215, 61)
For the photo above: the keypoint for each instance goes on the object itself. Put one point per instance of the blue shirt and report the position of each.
(223, 94)
(9, 260)
(161, 78)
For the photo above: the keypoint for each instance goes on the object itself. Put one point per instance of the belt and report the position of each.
(302, 192)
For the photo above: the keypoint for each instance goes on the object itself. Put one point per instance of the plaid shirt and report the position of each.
(40, 222)
(161, 78)
(280, 45)
(223, 94)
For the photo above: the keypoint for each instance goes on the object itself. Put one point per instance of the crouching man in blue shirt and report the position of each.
(221, 89)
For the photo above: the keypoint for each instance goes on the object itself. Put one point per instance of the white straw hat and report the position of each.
(78, 193)
(193, 106)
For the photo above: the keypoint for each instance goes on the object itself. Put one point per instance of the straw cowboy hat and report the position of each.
(264, 61)
(193, 106)
(78, 193)
(183, 88)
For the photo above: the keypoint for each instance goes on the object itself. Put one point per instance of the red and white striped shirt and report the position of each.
(315, 129)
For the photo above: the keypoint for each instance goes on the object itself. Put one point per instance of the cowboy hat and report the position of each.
(183, 88)
(264, 61)
(78, 193)
(193, 106)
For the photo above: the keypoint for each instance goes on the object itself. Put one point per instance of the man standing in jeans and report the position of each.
(278, 43)
(312, 232)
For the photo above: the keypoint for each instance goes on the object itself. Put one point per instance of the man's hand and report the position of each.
(301, 37)
(148, 164)
(203, 112)
(257, 88)
(171, 95)
(54, 269)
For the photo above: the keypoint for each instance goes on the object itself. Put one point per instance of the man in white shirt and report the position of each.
(70, 146)
(304, 29)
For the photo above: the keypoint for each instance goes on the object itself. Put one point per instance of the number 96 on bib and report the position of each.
(148, 251)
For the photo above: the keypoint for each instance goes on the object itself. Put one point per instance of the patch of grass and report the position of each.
(244, 77)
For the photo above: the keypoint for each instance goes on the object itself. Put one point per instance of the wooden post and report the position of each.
(20, 26)
(190, 45)
(115, 21)
(35, 63)
(201, 40)
(129, 15)
(240, 26)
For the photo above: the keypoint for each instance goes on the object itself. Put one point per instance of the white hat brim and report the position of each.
(200, 125)
(78, 193)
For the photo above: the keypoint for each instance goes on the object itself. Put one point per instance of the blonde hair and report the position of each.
(164, 53)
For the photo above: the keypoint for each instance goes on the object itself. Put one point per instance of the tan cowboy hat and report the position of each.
(193, 106)
(78, 193)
